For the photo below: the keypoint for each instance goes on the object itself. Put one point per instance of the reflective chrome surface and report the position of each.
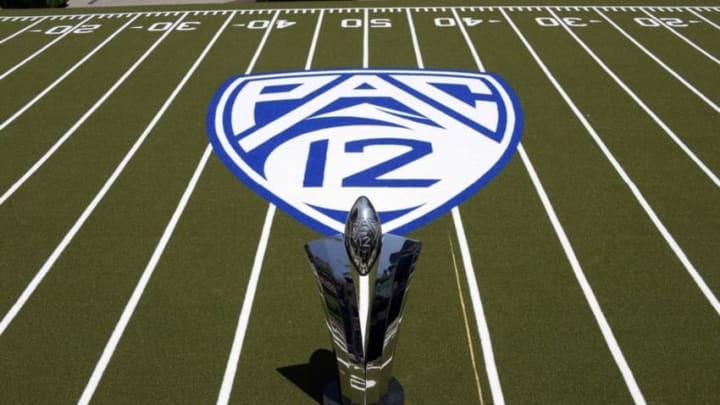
(364, 372)
(395, 268)
(362, 235)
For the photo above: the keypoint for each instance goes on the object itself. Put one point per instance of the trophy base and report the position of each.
(394, 396)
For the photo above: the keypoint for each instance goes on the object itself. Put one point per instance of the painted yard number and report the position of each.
(264, 24)
(580, 22)
(552, 22)
(669, 21)
(164, 26)
(385, 22)
(374, 23)
(441, 22)
(91, 28)
(450, 22)
(63, 29)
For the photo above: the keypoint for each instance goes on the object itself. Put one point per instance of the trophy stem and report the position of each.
(364, 306)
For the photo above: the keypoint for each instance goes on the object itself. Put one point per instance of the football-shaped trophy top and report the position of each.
(363, 235)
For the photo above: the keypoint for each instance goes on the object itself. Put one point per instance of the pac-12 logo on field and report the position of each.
(415, 142)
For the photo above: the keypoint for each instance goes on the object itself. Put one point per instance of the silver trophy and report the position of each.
(363, 321)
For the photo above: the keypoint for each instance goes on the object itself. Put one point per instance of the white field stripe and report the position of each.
(683, 37)
(679, 253)
(478, 311)
(366, 40)
(70, 132)
(313, 43)
(9, 37)
(131, 305)
(661, 63)
(60, 248)
(413, 35)
(483, 330)
(65, 75)
(244, 317)
(43, 49)
(641, 104)
(587, 290)
(700, 16)
(592, 301)
(469, 43)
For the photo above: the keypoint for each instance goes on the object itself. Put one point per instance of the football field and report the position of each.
(135, 268)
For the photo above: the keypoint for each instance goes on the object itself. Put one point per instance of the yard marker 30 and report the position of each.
(627, 374)
(712, 176)
(117, 333)
(669, 239)
(602, 322)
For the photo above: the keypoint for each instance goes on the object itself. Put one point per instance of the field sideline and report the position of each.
(134, 268)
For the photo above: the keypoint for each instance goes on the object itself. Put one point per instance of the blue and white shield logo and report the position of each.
(415, 142)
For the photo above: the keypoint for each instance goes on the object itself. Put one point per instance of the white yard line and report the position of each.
(65, 75)
(700, 16)
(471, 47)
(313, 43)
(683, 37)
(662, 64)
(60, 248)
(366, 40)
(9, 37)
(50, 152)
(641, 104)
(131, 305)
(478, 311)
(482, 325)
(244, 319)
(679, 253)
(245, 311)
(127, 313)
(587, 290)
(43, 49)
(416, 46)
(590, 297)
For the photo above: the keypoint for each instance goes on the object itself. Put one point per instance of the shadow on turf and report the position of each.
(313, 376)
